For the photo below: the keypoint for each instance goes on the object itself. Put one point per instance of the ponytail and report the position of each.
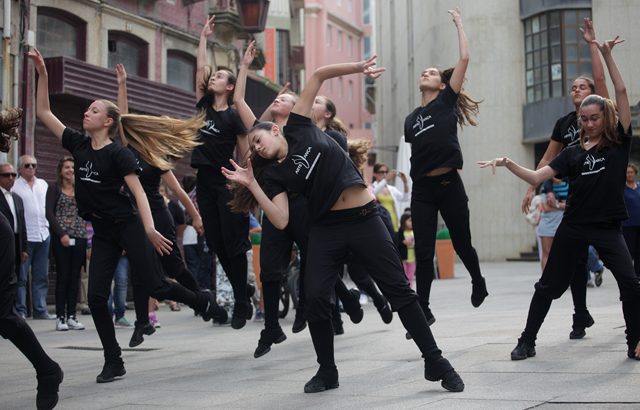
(466, 107)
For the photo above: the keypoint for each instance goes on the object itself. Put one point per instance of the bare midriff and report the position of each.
(353, 197)
(438, 171)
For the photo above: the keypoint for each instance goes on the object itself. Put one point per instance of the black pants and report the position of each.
(632, 238)
(227, 233)
(109, 240)
(69, 262)
(570, 245)
(444, 193)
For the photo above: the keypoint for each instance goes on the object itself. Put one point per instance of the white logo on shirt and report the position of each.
(419, 124)
(301, 161)
(572, 135)
(89, 173)
(210, 128)
(591, 162)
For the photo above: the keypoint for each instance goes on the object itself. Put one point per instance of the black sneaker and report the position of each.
(355, 312)
(299, 323)
(598, 278)
(322, 381)
(580, 322)
(238, 322)
(338, 329)
(441, 369)
(251, 290)
(267, 338)
(213, 310)
(523, 351)
(48, 385)
(478, 292)
(385, 313)
(138, 333)
(110, 371)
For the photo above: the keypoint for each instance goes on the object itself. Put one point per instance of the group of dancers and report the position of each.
(295, 164)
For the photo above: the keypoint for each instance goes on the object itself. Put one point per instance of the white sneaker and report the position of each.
(73, 324)
(61, 325)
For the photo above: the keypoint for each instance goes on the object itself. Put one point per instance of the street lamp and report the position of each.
(253, 14)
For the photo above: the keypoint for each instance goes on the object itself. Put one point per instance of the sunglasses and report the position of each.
(383, 172)
(8, 174)
(30, 165)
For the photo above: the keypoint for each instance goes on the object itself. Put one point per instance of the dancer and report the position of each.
(12, 326)
(596, 169)
(226, 232)
(152, 156)
(343, 219)
(102, 167)
(276, 244)
(431, 129)
(566, 132)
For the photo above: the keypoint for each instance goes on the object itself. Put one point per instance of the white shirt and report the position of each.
(12, 207)
(34, 199)
(398, 196)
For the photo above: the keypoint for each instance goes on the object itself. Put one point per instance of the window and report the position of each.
(181, 70)
(129, 50)
(349, 6)
(367, 47)
(282, 56)
(60, 34)
(366, 11)
(339, 40)
(329, 35)
(340, 87)
(350, 91)
(555, 53)
(370, 95)
(350, 46)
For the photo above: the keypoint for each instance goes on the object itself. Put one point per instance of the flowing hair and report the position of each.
(358, 151)
(334, 122)
(466, 107)
(242, 200)
(59, 170)
(610, 119)
(161, 139)
(208, 71)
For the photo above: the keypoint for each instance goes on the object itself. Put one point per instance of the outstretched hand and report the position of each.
(606, 46)
(249, 54)
(161, 244)
(496, 162)
(369, 68)
(38, 62)
(588, 33)
(457, 17)
(242, 176)
(121, 74)
(207, 30)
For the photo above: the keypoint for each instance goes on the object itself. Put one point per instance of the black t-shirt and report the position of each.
(596, 181)
(339, 138)
(176, 212)
(566, 131)
(315, 167)
(432, 132)
(99, 176)
(219, 137)
(150, 177)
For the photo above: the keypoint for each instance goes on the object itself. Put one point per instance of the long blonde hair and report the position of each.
(159, 140)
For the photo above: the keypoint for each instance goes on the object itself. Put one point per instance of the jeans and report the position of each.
(594, 264)
(118, 299)
(38, 261)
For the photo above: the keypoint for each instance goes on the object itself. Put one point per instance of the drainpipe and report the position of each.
(6, 61)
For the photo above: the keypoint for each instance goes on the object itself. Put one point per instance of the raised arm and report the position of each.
(201, 59)
(528, 175)
(123, 99)
(622, 99)
(459, 71)
(161, 244)
(170, 179)
(308, 95)
(597, 69)
(246, 115)
(43, 110)
(276, 209)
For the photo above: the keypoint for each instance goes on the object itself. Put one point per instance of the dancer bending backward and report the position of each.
(566, 133)
(152, 149)
(102, 167)
(12, 326)
(431, 129)
(275, 248)
(596, 169)
(343, 219)
(227, 232)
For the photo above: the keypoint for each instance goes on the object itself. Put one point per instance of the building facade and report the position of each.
(523, 57)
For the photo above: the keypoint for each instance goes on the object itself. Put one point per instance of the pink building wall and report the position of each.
(343, 18)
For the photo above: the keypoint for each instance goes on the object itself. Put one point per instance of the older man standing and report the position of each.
(33, 192)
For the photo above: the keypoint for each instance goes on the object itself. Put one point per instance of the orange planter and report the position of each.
(446, 258)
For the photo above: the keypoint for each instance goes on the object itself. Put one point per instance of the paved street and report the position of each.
(188, 364)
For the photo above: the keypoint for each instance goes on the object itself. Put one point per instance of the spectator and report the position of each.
(33, 192)
(199, 260)
(387, 195)
(631, 227)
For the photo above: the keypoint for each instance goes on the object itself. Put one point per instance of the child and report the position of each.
(406, 246)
